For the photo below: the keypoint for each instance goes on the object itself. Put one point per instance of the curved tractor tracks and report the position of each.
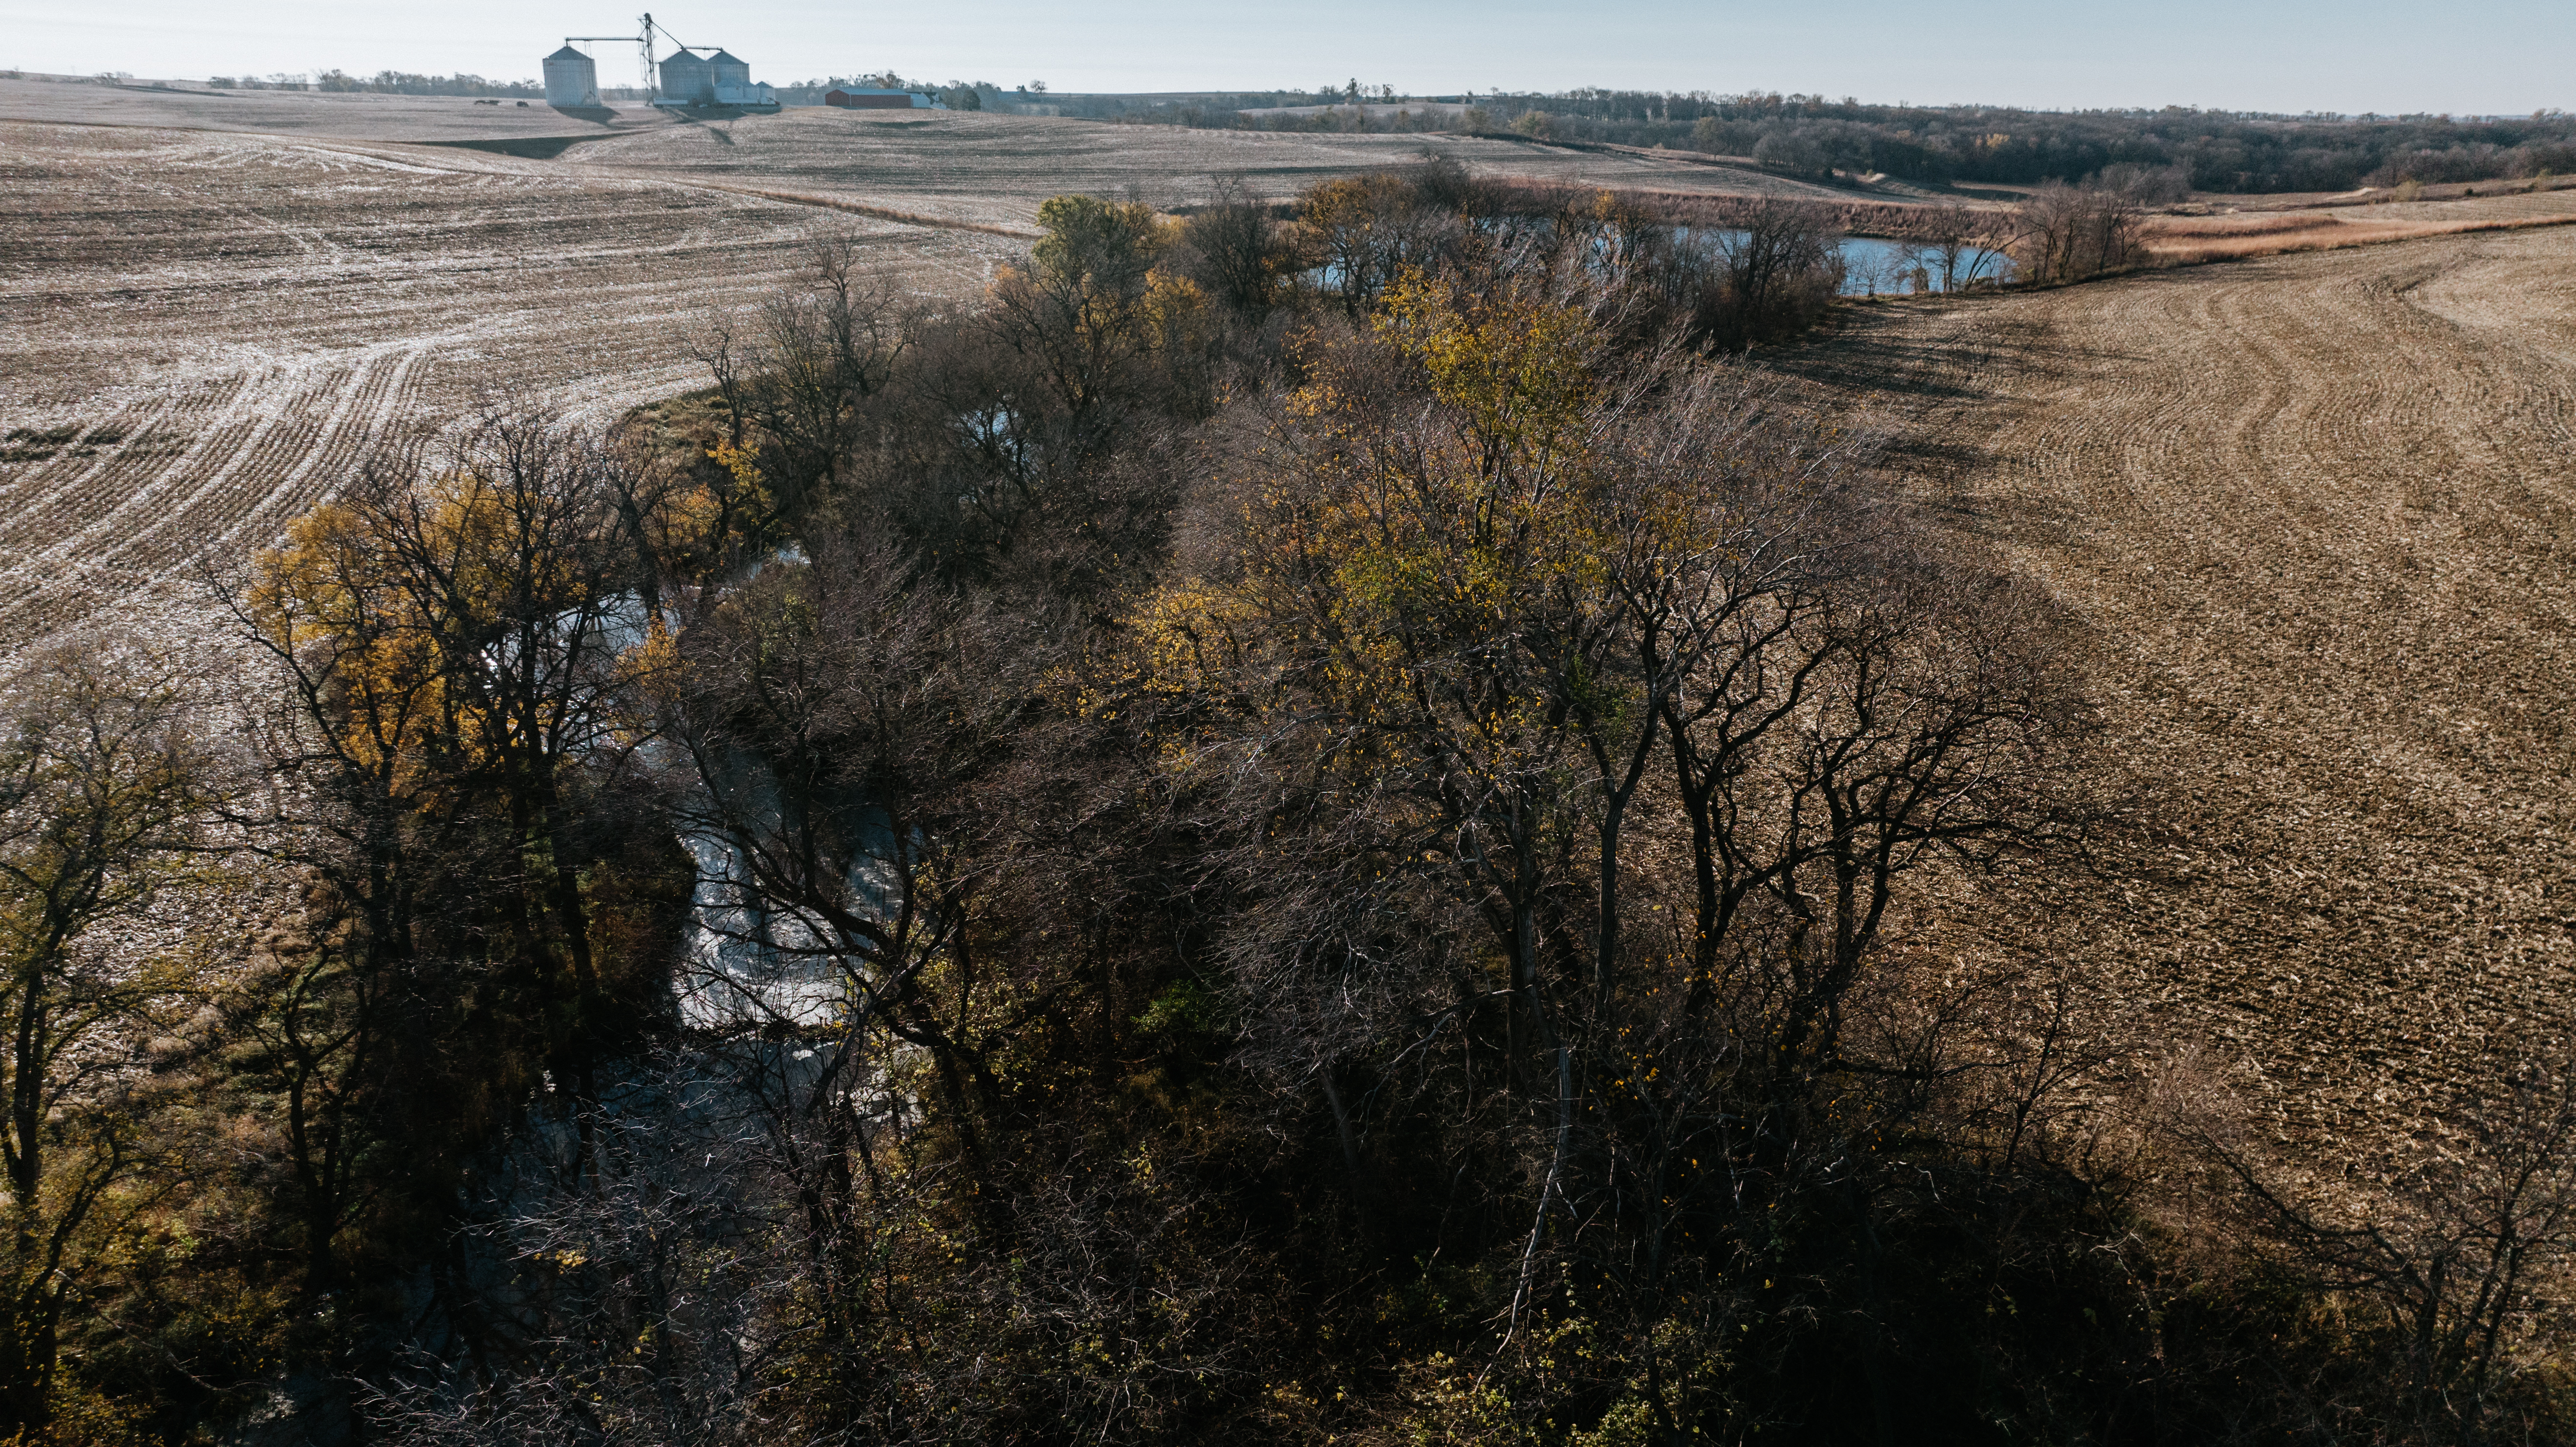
(223, 460)
(2316, 518)
(203, 334)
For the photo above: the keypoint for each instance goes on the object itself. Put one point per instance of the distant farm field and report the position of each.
(199, 332)
(2317, 517)
(996, 169)
(211, 305)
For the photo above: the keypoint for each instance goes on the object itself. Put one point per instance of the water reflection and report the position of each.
(1874, 265)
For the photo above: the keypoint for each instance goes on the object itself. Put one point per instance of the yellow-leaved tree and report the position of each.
(103, 793)
(456, 654)
(1411, 609)
(1094, 308)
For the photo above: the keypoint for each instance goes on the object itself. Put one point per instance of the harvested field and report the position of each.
(2234, 235)
(349, 117)
(994, 169)
(2318, 515)
(200, 331)
(214, 303)
(985, 169)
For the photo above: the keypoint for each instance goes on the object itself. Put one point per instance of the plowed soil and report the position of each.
(211, 305)
(200, 332)
(2317, 514)
(996, 169)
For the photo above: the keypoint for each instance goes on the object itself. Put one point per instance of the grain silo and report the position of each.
(572, 79)
(687, 80)
(694, 81)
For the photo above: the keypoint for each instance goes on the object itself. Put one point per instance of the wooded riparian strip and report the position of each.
(1198, 849)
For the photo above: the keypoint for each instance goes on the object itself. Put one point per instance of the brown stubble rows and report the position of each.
(226, 323)
(2315, 515)
(996, 169)
(227, 300)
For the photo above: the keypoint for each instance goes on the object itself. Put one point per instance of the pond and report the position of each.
(1874, 264)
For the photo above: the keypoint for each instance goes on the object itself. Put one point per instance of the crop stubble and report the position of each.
(212, 306)
(2316, 515)
(200, 333)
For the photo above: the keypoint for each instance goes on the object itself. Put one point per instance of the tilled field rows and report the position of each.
(132, 497)
(2318, 514)
(200, 335)
(202, 328)
(995, 170)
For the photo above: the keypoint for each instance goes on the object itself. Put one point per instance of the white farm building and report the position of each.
(572, 79)
(691, 77)
(716, 78)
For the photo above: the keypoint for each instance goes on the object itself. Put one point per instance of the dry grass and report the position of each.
(2183, 240)
(2266, 223)
(2315, 514)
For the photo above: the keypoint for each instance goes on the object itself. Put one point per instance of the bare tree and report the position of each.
(2467, 1257)
(1778, 267)
(820, 353)
(2068, 233)
(1237, 251)
(1957, 248)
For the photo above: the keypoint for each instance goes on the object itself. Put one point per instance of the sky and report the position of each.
(2468, 57)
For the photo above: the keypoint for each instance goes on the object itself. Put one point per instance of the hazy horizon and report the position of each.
(2503, 58)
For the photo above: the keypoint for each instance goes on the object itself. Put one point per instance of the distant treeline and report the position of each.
(2214, 150)
(957, 95)
(385, 82)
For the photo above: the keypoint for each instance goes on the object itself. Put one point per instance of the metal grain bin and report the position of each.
(572, 79)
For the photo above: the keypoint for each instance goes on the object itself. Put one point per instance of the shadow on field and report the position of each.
(526, 148)
(1872, 354)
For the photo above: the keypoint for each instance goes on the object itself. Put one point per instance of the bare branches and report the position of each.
(2468, 1255)
(811, 361)
(2067, 233)
(101, 787)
